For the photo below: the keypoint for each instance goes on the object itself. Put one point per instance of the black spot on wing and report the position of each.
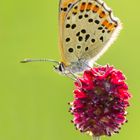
(75, 7)
(80, 16)
(92, 40)
(69, 5)
(103, 31)
(67, 39)
(86, 15)
(86, 49)
(78, 47)
(102, 38)
(64, 9)
(73, 26)
(80, 38)
(90, 20)
(74, 13)
(70, 50)
(100, 28)
(87, 37)
(97, 21)
(83, 31)
(67, 25)
(77, 34)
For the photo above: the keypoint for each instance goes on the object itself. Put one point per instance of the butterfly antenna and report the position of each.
(38, 60)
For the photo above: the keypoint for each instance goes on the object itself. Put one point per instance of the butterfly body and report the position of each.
(74, 68)
(86, 30)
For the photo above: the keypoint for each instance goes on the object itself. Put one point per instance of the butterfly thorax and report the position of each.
(74, 67)
(77, 67)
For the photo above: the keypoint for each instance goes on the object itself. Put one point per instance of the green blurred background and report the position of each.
(33, 98)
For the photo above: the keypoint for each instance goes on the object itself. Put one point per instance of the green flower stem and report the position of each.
(96, 138)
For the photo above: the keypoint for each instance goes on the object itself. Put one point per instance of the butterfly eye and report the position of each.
(61, 67)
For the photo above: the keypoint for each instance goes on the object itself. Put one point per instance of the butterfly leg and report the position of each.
(74, 77)
(96, 64)
(69, 76)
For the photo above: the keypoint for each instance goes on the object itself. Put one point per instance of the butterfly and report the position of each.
(87, 28)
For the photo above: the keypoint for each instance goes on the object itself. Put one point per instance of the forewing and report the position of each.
(89, 29)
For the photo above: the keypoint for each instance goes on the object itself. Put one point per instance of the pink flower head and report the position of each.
(100, 101)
